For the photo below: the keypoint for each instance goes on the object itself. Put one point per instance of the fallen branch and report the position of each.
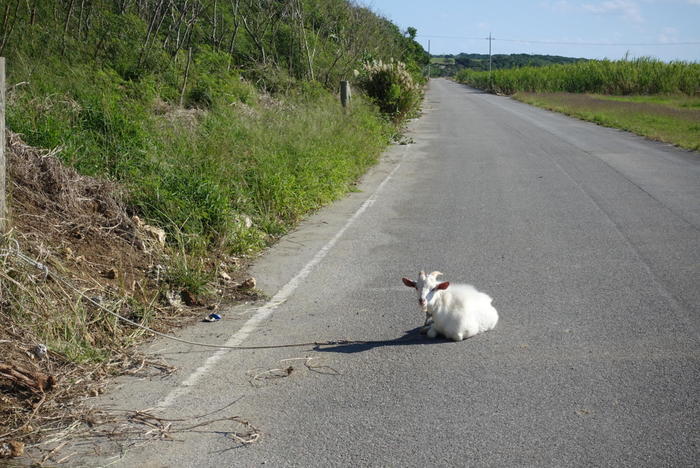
(36, 382)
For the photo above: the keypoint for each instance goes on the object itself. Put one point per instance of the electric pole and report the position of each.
(430, 58)
(490, 39)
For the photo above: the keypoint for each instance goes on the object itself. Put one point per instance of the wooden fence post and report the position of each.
(3, 207)
(345, 93)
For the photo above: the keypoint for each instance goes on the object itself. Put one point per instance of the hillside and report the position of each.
(154, 148)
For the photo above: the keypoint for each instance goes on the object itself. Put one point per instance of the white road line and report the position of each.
(264, 312)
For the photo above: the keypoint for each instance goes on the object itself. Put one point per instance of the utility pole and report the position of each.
(490, 39)
(430, 58)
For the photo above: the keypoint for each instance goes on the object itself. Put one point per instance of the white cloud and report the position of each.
(626, 8)
(559, 5)
(668, 35)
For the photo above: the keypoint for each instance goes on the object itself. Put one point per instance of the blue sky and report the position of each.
(570, 28)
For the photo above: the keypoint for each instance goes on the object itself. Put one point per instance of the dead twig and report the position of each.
(258, 376)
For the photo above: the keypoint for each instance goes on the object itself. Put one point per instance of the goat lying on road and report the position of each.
(458, 312)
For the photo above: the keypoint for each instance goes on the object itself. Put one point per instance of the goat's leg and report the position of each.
(426, 325)
(432, 332)
(457, 337)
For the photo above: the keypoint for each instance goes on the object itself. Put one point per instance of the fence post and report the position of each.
(3, 200)
(345, 93)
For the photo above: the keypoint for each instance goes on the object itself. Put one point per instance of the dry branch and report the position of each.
(33, 381)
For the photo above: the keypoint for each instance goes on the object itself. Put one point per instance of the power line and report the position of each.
(450, 37)
(603, 43)
(529, 41)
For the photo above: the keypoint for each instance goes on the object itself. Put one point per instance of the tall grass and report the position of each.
(199, 171)
(621, 77)
(391, 86)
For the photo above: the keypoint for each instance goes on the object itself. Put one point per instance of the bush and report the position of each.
(391, 87)
(200, 98)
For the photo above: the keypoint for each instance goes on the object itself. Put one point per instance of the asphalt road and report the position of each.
(587, 238)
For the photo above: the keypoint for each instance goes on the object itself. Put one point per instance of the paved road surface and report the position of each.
(588, 240)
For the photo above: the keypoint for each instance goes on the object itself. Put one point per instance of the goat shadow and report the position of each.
(410, 338)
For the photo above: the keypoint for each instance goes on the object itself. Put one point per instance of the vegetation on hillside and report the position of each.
(215, 121)
(205, 109)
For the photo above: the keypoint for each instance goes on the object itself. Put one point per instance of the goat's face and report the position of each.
(426, 286)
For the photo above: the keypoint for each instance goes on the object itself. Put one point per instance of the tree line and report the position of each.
(480, 62)
(271, 40)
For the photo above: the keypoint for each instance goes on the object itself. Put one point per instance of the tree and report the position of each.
(411, 32)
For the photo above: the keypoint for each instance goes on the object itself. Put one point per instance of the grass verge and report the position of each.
(670, 119)
(198, 171)
(148, 209)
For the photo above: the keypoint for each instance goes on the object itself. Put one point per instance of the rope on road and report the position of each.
(48, 273)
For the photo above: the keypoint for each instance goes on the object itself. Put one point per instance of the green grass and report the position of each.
(442, 60)
(673, 101)
(195, 172)
(671, 119)
(643, 76)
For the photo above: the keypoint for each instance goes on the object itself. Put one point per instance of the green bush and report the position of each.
(199, 97)
(391, 87)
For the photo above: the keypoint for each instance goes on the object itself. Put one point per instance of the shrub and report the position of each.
(199, 97)
(391, 87)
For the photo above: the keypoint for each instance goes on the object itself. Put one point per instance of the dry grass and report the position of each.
(102, 432)
(56, 346)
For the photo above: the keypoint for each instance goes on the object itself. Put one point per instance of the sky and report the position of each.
(588, 29)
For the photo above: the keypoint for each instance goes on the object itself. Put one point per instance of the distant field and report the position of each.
(442, 61)
(649, 97)
(642, 76)
(671, 119)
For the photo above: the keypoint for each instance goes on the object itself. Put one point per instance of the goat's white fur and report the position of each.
(458, 311)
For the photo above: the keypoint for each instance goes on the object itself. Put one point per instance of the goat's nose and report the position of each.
(421, 302)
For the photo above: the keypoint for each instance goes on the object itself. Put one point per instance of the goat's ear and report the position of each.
(443, 285)
(408, 282)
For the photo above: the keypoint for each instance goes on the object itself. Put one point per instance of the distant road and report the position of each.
(587, 238)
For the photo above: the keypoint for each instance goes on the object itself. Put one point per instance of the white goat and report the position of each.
(458, 312)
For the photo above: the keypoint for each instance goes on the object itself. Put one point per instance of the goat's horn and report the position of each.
(435, 274)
